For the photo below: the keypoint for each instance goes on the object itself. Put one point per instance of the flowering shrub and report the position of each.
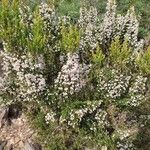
(23, 79)
(79, 74)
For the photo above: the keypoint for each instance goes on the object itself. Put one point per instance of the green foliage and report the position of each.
(98, 57)
(9, 17)
(119, 52)
(143, 61)
(16, 32)
(70, 38)
(38, 40)
(69, 7)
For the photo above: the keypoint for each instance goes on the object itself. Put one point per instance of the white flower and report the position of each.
(50, 117)
(72, 76)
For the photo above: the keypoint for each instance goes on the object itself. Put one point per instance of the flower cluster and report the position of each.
(137, 91)
(51, 25)
(50, 116)
(48, 14)
(106, 30)
(112, 26)
(88, 41)
(132, 25)
(26, 16)
(118, 85)
(114, 87)
(87, 17)
(72, 77)
(22, 79)
(87, 21)
(125, 143)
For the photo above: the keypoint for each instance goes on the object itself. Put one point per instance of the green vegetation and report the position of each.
(83, 81)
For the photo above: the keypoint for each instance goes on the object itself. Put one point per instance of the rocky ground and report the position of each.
(15, 132)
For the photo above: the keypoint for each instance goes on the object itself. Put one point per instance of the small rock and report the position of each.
(37, 146)
(10, 147)
(28, 146)
(2, 144)
(3, 116)
(31, 146)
